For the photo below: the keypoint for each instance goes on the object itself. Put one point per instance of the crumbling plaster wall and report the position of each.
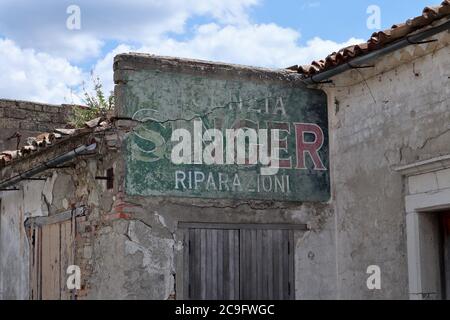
(60, 190)
(136, 257)
(16, 207)
(397, 117)
(136, 245)
(38, 198)
(121, 256)
(129, 247)
(154, 239)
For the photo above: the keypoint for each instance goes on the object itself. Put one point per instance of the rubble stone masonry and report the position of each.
(29, 119)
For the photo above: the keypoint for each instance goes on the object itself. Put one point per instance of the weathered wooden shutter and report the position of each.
(35, 263)
(52, 250)
(67, 232)
(266, 261)
(242, 263)
(213, 264)
(51, 267)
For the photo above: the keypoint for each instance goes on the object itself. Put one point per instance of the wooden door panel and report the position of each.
(231, 264)
(66, 257)
(212, 268)
(52, 252)
(51, 268)
(266, 271)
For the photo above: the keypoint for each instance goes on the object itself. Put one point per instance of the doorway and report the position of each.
(52, 253)
(445, 254)
(239, 262)
(52, 250)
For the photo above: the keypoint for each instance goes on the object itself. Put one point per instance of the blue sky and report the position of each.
(42, 60)
(336, 20)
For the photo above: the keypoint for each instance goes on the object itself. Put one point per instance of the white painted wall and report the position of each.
(16, 207)
(395, 114)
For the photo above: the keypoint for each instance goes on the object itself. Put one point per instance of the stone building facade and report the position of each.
(388, 140)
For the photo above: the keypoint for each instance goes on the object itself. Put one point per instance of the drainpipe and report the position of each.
(363, 60)
(48, 164)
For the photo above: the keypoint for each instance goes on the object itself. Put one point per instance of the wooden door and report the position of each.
(52, 249)
(237, 264)
(212, 264)
(266, 262)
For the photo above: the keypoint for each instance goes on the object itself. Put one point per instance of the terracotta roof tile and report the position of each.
(377, 41)
(46, 139)
(65, 132)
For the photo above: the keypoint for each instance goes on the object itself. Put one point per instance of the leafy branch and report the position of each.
(97, 104)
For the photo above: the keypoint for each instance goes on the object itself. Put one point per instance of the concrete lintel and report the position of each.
(434, 164)
(428, 201)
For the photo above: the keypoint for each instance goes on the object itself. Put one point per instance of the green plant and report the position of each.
(97, 104)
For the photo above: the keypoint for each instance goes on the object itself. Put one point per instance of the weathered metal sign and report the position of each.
(230, 133)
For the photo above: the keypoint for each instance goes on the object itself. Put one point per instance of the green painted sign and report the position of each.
(226, 137)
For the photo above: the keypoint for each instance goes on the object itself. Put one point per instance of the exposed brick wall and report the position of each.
(29, 119)
(86, 230)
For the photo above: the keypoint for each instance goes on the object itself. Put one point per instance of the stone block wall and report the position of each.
(29, 119)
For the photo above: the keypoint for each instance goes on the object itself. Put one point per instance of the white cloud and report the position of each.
(42, 24)
(30, 75)
(265, 45)
(47, 72)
